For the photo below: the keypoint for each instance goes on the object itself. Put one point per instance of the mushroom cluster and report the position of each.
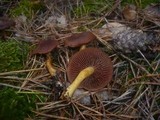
(89, 68)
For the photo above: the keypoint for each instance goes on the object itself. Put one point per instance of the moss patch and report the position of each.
(27, 8)
(92, 6)
(139, 3)
(15, 106)
(12, 55)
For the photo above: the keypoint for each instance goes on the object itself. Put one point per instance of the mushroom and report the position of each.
(90, 69)
(129, 12)
(6, 23)
(79, 39)
(45, 47)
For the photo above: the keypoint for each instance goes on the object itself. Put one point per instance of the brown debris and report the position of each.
(153, 10)
(152, 13)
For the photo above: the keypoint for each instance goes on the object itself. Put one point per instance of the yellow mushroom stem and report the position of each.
(82, 47)
(49, 65)
(81, 76)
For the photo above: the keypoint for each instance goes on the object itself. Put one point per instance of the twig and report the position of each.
(52, 116)
(16, 87)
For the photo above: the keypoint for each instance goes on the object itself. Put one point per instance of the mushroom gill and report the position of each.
(90, 69)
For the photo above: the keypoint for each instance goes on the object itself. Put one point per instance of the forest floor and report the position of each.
(28, 91)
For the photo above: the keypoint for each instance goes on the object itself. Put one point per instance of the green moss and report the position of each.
(98, 7)
(15, 106)
(12, 55)
(26, 7)
(92, 6)
(139, 3)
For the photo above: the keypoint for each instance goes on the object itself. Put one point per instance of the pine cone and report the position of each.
(129, 40)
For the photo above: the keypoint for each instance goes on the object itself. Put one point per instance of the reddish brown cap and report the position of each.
(5, 23)
(79, 39)
(91, 57)
(45, 46)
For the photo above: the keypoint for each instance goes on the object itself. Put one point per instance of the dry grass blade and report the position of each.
(26, 89)
(139, 77)
(54, 105)
(52, 116)
(20, 71)
(79, 111)
(90, 109)
(135, 63)
(138, 97)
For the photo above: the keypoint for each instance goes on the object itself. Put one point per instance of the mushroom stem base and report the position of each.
(49, 65)
(81, 76)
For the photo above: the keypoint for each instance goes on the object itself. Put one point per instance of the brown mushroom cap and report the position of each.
(5, 23)
(45, 46)
(91, 57)
(79, 39)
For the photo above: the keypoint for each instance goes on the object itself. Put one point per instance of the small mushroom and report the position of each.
(45, 47)
(79, 39)
(129, 12)
(90, 69)
(5, 23)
